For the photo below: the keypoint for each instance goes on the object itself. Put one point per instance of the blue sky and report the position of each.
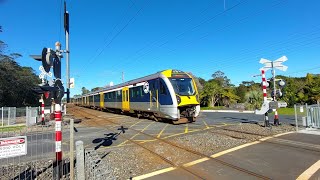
(141, 37)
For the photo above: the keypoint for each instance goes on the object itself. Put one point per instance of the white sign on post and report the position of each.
(13, 146)
(71, 82)
(301, 108)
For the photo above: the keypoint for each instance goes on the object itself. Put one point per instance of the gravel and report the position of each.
(130, 161)
(219, 139)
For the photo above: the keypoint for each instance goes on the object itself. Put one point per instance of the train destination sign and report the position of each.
(13, 146)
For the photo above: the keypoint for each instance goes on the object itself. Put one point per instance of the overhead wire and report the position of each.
(190, 29)
(218, 29)
(114, 37)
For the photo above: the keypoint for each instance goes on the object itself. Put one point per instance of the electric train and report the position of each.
(169, 94)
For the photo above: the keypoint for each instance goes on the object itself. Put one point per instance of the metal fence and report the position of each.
(39, 159)
(20, 116)
(8, 116)
(307, 115)
(313, 116)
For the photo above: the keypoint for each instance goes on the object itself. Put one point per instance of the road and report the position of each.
(224, 117)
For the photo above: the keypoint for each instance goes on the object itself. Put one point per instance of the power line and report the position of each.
(193, 28)
(115, 36)
(219, 29)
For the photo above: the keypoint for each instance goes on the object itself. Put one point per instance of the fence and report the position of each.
(20, 116)
(307, 115)
(8, 116)
(37, 158)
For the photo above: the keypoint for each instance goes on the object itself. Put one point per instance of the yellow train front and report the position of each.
(169, 94)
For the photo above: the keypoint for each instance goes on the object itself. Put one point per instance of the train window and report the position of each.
(137, 92)
(119, 94)
(162, 88)
(141, 91)
(132, 92)
(127, 95)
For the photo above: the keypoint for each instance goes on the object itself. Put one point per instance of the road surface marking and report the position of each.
(195, 162)
(277, 135)
(307, 174)
(135, 123)
(162, 130)
(233, 149)
(186, 129)
(205, 124)
(154, 173)
(137, 133)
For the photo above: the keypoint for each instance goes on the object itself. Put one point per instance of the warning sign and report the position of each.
(13, 146)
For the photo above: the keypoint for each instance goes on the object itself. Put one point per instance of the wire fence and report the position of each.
(28, 116)
(8, 116)
(39, 159)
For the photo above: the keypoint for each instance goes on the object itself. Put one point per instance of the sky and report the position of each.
(142, 37)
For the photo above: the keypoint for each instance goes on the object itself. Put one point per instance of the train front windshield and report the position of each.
(183, 86)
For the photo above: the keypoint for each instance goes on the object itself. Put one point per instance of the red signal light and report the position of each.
(46, 94)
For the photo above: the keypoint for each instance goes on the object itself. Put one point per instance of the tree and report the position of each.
(96, 89)
(228, 97)
(16, 82)
(211, 93)
(221, 78)
(254, 99)
(84, 90)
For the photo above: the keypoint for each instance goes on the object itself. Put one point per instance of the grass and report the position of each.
(213, 108)
(290, 111)
(11, 128)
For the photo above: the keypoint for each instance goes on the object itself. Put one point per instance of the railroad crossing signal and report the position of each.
(274, 64)
(50, 58)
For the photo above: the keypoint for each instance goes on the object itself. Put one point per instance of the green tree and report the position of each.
(221, 78)
(254, 99)
(16, 82)
(211, 93)
(84, 90)
(228, 96)
(96, 89)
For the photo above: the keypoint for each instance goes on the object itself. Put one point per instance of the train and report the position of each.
(165, 95)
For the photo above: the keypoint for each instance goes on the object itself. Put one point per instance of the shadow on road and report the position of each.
(109, 138)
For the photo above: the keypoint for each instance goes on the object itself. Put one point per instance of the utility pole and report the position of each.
(66, 28)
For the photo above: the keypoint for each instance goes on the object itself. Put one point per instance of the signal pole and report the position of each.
(66, 28)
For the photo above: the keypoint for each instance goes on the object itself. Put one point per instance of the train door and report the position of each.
(154, 94)
(101, 100)
(125, 99)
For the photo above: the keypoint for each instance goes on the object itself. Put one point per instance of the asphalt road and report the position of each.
(242, 117)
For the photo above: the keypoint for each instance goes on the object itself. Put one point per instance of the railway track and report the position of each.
(86, 113)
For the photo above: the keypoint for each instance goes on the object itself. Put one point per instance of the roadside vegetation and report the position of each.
(16, 82)
(219, 93)
(11, 128)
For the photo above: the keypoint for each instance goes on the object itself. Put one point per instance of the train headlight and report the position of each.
(178, 99)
